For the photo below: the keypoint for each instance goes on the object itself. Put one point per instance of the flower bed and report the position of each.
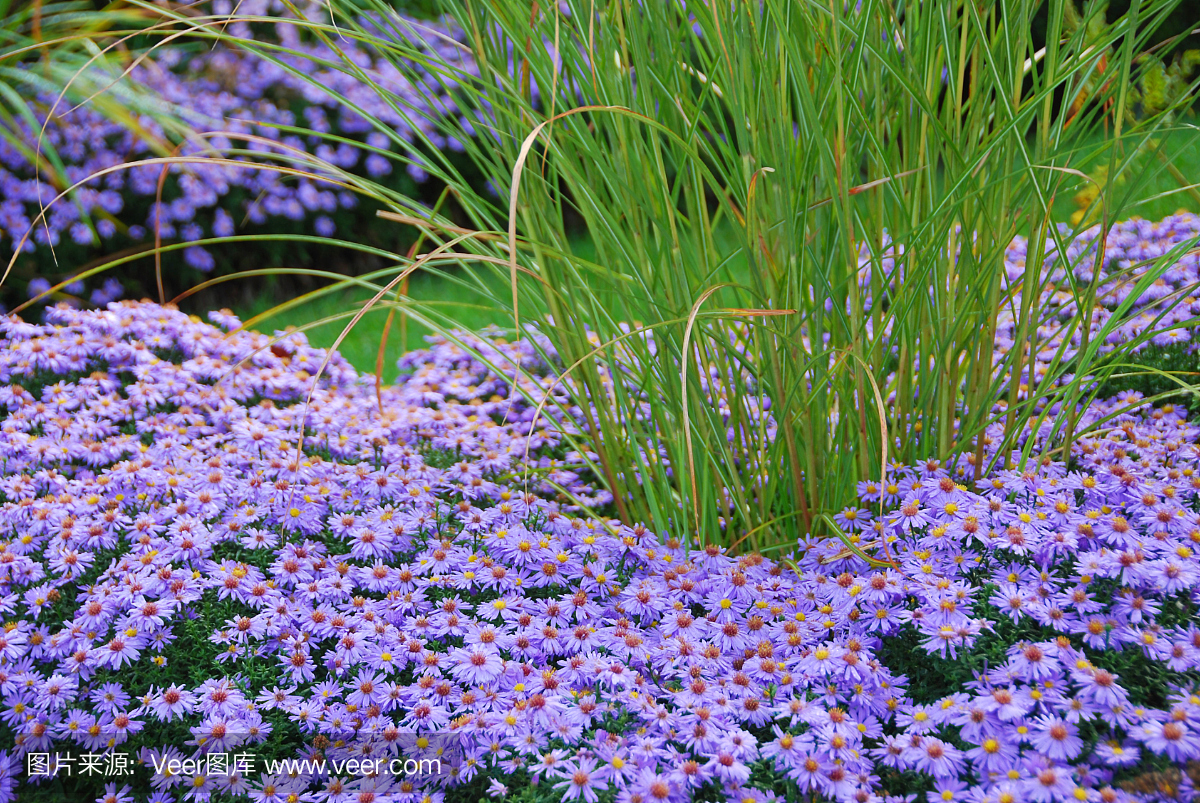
(177, 584)
(249, 103)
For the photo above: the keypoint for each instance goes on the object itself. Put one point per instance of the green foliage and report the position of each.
(1159, 365)
(1158, 90)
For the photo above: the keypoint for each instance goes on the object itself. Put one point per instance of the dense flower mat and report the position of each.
(176, 584)
(239, 102)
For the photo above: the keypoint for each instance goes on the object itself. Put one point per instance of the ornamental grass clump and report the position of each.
(806, 203)
(210, 545)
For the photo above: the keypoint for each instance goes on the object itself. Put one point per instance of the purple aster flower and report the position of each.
(580, 780)
(475, 665)
(1173, 739)
(1056, 738)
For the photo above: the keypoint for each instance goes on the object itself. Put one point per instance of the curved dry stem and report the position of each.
(514, 192)
(687, 424)
(883, 440)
